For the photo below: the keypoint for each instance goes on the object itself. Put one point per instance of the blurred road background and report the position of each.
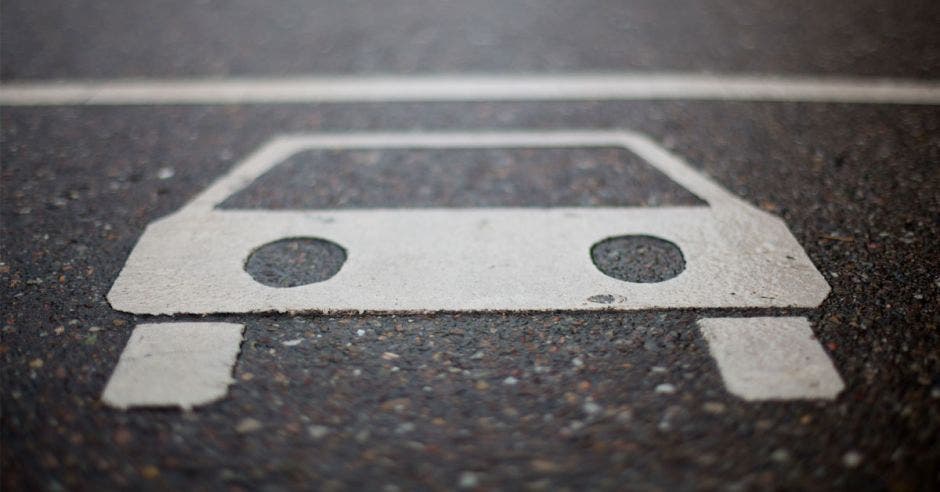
(552, 401)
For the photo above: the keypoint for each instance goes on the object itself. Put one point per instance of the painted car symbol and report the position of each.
(466, 259)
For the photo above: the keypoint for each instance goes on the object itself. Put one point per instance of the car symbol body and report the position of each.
(466, 259)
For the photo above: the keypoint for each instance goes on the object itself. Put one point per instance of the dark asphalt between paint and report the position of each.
(554, 401)
(454, 178)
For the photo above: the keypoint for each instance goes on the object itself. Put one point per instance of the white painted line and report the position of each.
(466, 259)
(553, 87)
(771, 358)
(175, 364)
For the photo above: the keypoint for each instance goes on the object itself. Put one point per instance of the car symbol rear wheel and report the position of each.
(638, 259)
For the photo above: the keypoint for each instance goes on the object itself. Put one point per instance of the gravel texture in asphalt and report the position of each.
(448, 178)
(492, 401)
(499, 400)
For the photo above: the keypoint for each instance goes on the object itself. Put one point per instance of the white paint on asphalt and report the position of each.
(175, 365)
(771, 358)
(464, 259)
(548, 87)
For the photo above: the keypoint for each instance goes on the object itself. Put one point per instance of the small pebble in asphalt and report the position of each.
(510, 381)
(591, 408)
(247, 425)
(318, 431)
(665, 389)
(468, 480)
(577, 362)
(150, 472)
(780, 456)
(714, 407)
(852, 459)
(405, 428)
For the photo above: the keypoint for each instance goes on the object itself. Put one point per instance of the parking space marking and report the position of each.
(553, 87)
(175, 365)
(771, 358)
(466, 259)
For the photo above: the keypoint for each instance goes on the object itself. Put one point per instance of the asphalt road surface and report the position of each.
(488, 401)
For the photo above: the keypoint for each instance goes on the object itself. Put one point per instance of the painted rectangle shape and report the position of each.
(771, 358)
(175, 365)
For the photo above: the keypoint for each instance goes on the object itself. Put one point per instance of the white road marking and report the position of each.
(175, 364)
(427, 260)
(549, 87)
(771, 358)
